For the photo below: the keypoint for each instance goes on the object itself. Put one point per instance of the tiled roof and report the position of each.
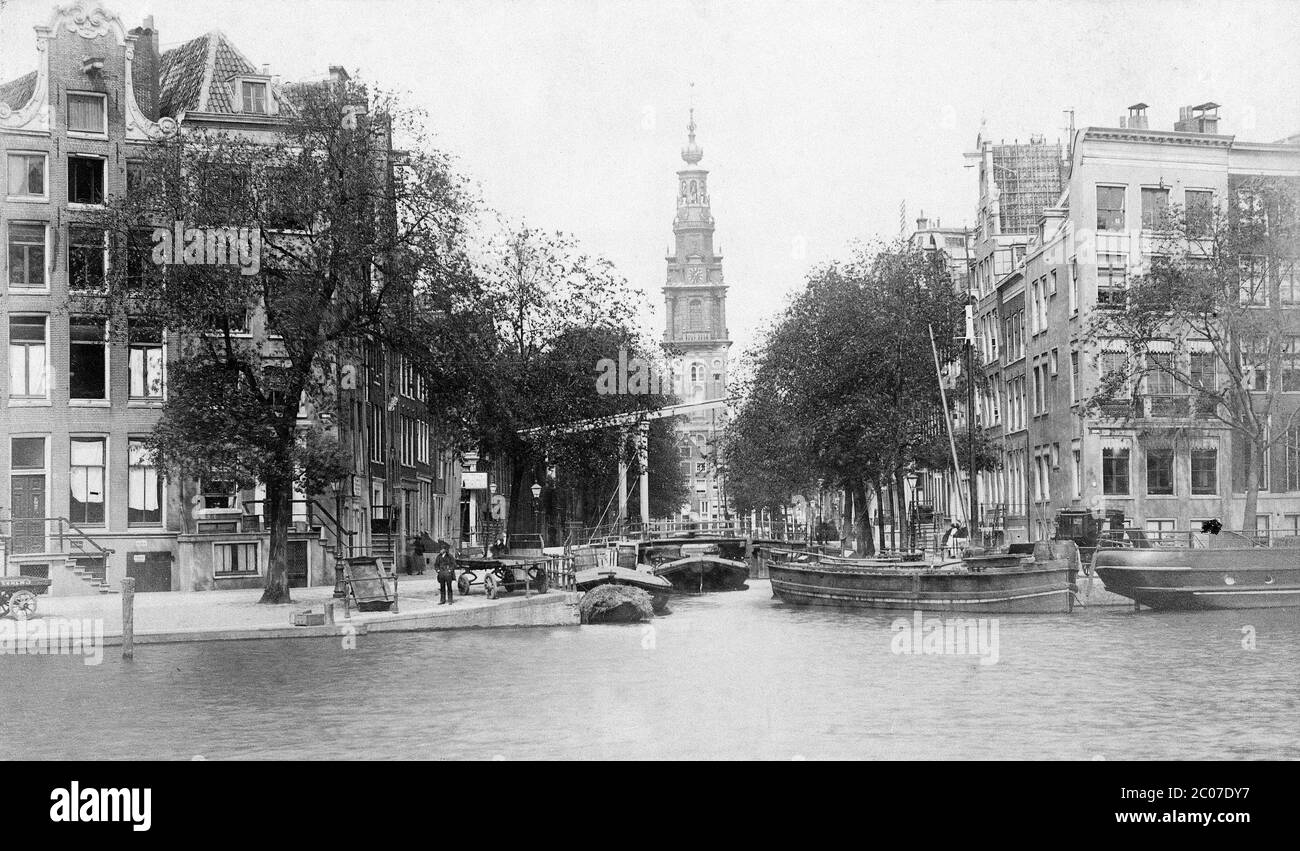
(210, 58)
(17, 92)
(180, 72)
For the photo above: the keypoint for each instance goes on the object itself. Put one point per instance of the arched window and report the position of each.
(697, 373)
(695, 315)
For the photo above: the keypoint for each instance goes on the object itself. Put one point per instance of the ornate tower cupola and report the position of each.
(695, 301)
(695, 296)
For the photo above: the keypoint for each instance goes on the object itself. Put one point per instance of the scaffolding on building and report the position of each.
(1029, 178)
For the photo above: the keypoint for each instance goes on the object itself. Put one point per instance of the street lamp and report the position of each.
(537, 494)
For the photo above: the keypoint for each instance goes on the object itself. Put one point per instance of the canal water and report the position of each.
(736, 675)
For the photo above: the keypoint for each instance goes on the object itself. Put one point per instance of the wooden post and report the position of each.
(329, 611)
(128, 619)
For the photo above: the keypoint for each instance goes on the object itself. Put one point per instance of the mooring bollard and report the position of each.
(128, 618)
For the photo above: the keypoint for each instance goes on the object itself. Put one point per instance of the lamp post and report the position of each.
(537, 496)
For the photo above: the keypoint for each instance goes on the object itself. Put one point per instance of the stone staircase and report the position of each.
(93, 572)
(382, 547)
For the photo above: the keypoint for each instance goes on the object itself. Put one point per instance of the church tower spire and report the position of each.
(695, 301)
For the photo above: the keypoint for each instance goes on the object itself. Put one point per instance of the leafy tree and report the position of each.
(345, 243)
(846, 376)
(558, 312)
(1201, 336)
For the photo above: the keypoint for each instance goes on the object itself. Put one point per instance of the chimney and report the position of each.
(1202, 118)
(922, 223)
(1137, 117)
(144, 68)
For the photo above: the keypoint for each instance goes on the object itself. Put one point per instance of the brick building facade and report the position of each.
(80, 501)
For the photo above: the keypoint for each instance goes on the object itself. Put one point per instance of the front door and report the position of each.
(296, 557)
(28, 501)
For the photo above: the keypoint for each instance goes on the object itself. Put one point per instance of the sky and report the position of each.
(817, 119)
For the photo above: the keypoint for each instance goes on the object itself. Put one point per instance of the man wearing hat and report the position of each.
(445, 567)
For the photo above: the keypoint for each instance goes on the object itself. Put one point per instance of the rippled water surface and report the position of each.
(736, 675)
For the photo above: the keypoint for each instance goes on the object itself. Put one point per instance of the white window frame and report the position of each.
(29, 400)
(106, 399)
(162, 496)
(48, 267)
(146, 401)
(257, 557)
(106, 442)
(269, 102)
(79, 226)
(86, 134)
(44, 197)
(103, 169)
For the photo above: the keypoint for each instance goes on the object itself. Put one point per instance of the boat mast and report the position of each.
(947, 421)
(970, 419)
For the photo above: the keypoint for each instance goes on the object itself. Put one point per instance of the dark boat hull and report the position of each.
(657, 589)
(1028, 587)
(704, 573)
(1212, 578)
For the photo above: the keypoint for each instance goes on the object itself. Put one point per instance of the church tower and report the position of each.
(695, 301)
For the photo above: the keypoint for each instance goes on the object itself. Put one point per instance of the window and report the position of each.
(1160, 471)
(87, 358)
(219, 493)
(253, 97)
(86, 475)
(27, 356)
(27, 255)
(1074, 376)
(1155, 208)
(87, 113)
(1110, 208)
(1199, 211)
(1115, 470)
(145, 361)
(27, 176)
(1290, 364)
(234, 558)
(27, 453)
(87, 252)
(1253, 271)
(407, 428)
(139, 259)
(376, 432)
(1291, 444)
(1111, 274)
(1205, 471)
(1074, 286)
(1160, 378)
(1254, 365)
(85, 180)
(1288, 276)
(1076, 469)
(143, 487)
(695, 315)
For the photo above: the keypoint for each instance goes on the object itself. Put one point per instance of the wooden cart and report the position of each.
(18, 595)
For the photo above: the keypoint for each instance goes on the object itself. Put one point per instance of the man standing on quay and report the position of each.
(445, 566)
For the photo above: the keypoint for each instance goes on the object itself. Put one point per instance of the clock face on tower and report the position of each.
(695, 275)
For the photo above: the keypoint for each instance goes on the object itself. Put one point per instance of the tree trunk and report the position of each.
(903, 520)
(1251, 507)
(880, 509)
(279, 501)
(866, 543)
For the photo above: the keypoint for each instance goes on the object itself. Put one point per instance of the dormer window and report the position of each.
(253, 97)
